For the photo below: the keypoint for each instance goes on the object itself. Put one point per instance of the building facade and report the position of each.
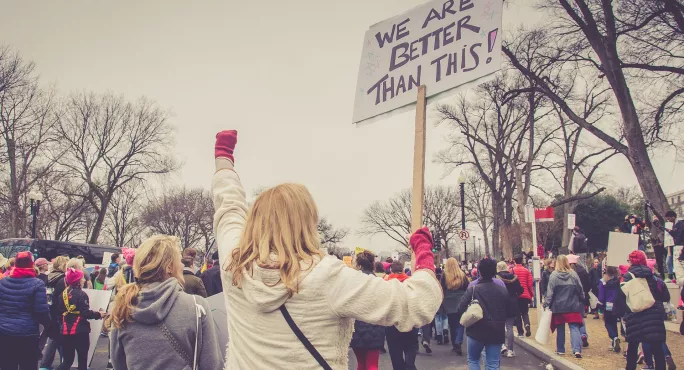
(676, 201)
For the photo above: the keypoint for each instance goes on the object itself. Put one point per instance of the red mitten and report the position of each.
(225, 144)
(421, 242)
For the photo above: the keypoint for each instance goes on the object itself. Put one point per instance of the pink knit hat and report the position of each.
(129, 255)
(623, 269)
(573, 258)
(73, 276)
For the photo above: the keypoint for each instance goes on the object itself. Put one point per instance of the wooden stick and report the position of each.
(418, 195)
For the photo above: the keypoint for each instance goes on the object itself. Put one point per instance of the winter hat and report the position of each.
(573, 258)
(651, 264)
(637, 258)
(24, 260)
(73, 276)
(474, 273)
(128, 254)
(623, 269)
(41, 262)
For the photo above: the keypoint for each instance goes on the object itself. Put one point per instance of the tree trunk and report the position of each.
(99, 222)
(525, 228)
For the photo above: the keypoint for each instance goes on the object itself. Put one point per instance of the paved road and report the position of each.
(441, 359)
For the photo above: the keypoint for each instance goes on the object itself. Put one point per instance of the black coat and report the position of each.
(514, 291)
(595, 276)
(586, 282)
(494, 302)
(212, 280)
(55, 284)
(544, 284)
(367, 336)
(70, 323)
(647, 325)
(452, 298)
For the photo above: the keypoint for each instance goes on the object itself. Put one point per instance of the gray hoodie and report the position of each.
(564, 293)
(162, 334)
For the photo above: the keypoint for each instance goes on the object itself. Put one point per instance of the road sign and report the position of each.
(464, 235)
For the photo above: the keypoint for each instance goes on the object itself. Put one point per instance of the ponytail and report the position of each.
(124, 303)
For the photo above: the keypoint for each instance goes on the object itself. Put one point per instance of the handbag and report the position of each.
(474, 312)
(638, 294)
(302, 338)
(199, 312)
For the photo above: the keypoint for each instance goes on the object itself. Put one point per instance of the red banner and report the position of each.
(543, 214)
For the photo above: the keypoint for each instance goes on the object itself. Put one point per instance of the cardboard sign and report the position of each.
(442, 44)
(347, 260)
(669, 240)
(99, 300)
(571, 221)
(620, 245)
(107, 258)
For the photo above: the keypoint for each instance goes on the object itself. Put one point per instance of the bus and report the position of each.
(49, 249)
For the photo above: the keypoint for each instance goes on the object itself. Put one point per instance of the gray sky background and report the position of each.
(283, 73)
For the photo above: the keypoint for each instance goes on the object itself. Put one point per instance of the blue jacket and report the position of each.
(23, 305)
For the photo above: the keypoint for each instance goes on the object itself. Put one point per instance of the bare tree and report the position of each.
(111, 142)
(27, 118)
(330, 236)
(64, 210)
(478, 200)
(181, 212)
(123, 225)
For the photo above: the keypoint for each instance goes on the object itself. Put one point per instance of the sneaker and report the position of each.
(560, 353)
(640, 359)
(510, 354)
(458, 349)
(426, 345)
(528, 332)
(578, 355)
(521, 336)
(646, 367)
(616, 345)
(503, 350)
(670, 363)
(585, 341)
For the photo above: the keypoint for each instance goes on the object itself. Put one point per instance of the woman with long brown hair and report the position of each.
(155, 324)
(277, 280)
(454, 284)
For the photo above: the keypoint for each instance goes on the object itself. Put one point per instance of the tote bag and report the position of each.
(474, 312)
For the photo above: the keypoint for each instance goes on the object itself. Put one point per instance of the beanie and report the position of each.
(41, 262)
(573, 258)
(73, 276)
(637, 258)
(24, 260)
(128, 254)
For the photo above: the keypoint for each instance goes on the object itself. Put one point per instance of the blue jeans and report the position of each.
(611, 323)
(670, 262)
(575, 338)
(492, 355)
(583, 330)
(456, 329)
(441, 323)
(648, 353)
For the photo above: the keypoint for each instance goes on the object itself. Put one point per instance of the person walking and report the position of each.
(100, 280)
(595, 276)
(613, 309)
(526, 281)
(23, 305)
(402, 346)
(488, 334)
(565, 297)
(454, 285)
(379, 270)
(514, 291)
(192, 284)
(42, 265)
(212, 277)
(367, 339)
(549, 266)
(647, 326)
(74, 308)
(585, 279)
(278, 278)
(55, 286)
(155, 324)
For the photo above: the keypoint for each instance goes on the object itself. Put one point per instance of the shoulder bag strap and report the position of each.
(302, 338)
(199, 311)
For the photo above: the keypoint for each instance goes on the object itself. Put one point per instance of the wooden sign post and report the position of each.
(418, 196)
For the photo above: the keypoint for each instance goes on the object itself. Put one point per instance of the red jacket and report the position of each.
(401, 277)
(526, 280)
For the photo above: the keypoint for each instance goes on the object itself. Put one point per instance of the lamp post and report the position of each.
(36, 197)
(461, 182)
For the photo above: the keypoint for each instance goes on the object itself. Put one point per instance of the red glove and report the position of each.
(421, 242)
(225, 144)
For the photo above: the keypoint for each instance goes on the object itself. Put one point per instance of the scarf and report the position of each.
(19, 272)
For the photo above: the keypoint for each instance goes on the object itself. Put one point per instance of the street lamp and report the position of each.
(461, 182)
(36, 197)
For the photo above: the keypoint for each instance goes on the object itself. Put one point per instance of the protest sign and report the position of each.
(571, 221)
(620, 245)
(347, 260)
(107, 258)
(99, 300)
(217, 305)
(442, 44)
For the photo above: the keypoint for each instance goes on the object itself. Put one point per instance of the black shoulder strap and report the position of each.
(303, 339)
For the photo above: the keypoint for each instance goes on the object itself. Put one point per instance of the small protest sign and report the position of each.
(620, 245)
(98, 300)
(442, 44)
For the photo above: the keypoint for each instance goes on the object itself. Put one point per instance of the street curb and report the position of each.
(545, 355)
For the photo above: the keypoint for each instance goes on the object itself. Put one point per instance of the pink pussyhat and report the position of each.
(73, 277)
(129, 255)
(623, 269)
(651, 264)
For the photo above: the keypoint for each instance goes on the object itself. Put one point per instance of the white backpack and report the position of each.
(638, 294)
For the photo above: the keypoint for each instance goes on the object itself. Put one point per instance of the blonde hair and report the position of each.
(59, 263)
(283, 221)
(548, 262)
(453, 275)
(75, 263)
(501, 266)
(562, 264)
(153, 260)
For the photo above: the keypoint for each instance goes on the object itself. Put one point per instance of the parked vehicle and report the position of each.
(50, 249)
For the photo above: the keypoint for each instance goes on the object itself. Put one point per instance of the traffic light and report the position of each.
(438, 243)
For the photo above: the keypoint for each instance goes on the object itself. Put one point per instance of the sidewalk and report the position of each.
(597, 356)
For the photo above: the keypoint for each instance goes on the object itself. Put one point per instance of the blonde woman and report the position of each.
(275, 272)
(78, 264)
(564, 296)
(155, 324)
(454, 283)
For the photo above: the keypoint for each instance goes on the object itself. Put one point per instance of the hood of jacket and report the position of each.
(54, 277)
(156, 300)
(565, 276)
(263, 287)
(507, 277)
(641, 271)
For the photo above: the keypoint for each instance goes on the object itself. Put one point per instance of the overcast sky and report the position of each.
(282, 73)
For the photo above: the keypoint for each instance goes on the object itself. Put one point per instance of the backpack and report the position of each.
(638, 294)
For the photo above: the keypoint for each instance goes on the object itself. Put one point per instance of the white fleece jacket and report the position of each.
(331, 296)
